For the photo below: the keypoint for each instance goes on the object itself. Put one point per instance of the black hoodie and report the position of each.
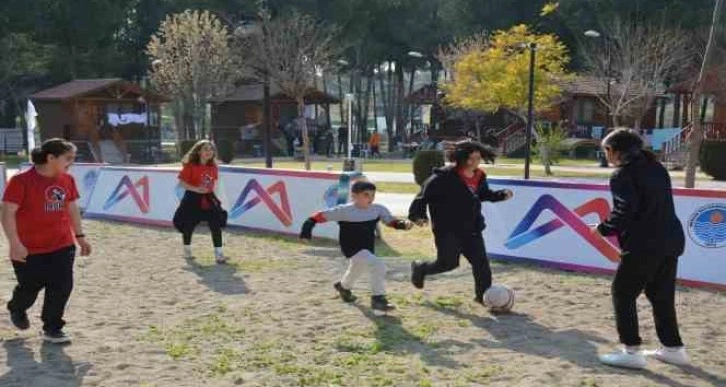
(644, 216)
(454, 208)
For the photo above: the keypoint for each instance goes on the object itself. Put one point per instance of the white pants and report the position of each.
(357, 266)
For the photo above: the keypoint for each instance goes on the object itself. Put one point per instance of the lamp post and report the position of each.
(530, 110)
(349, 97)
(608, 119)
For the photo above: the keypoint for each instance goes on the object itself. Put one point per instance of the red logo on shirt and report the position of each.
(55, 197)
(207, 180)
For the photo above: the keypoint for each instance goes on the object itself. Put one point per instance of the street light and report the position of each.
(349, 97)
(530, 110)
(596, 35)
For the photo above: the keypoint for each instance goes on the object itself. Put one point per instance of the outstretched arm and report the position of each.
(335, 214)
(487, 195)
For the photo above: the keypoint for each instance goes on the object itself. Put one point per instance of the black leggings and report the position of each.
(450, 247)
(657, 277)
(214, 227)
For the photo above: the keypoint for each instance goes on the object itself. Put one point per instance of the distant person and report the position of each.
(651, 239)
(329, 143)
(42, 222)
(342, 141)
(375, 144)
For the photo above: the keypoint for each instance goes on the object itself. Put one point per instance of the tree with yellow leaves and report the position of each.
(498, 76)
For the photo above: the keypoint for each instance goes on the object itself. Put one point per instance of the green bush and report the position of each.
(424, 162)
(225, 150)
(713, 159)
(184, 146)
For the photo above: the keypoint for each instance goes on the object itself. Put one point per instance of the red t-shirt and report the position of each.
(198, 175)
(43, 221)
(473, 181)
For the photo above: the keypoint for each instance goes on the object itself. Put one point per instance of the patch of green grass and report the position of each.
(224, 361)
(480, 375)
(177, 350)
(388, 187)
(448, 302)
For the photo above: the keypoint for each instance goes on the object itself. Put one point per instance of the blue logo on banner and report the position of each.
(707, 226)
(89, 180)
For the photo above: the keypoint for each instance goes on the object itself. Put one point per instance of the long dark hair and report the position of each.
(52, 147)
(628, 144)
(194, 154)
(463, 149)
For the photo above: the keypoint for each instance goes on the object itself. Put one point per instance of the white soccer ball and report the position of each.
(499, 298)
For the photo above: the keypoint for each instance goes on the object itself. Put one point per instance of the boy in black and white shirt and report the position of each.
(358, 222)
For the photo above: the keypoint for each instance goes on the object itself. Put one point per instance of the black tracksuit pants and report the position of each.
(52, 272)
(450, 247)
(657, 277)
(214, 227)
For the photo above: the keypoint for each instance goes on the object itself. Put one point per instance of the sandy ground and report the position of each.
(143, 316)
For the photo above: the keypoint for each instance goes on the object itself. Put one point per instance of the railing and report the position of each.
(676, 145)
(714, 131)
(505, 133)
(514, 142)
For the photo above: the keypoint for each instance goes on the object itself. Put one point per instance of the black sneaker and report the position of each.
(479, 300)
(380, 305)
(417, 275)
(56, 337)
(20, 320)
(345, 294)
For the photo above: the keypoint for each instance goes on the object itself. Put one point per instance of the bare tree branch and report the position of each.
(287, 51)
(637, 59)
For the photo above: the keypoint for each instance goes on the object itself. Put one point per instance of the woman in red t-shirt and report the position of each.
(42, 222)
(198, 177)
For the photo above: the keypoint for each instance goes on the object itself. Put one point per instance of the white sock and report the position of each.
(188, 249)
(218, 252)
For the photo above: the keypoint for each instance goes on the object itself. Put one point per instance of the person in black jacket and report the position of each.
(453, 195)
(651, 239)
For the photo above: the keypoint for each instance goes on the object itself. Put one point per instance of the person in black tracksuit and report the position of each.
(453, 195)
(651, 238)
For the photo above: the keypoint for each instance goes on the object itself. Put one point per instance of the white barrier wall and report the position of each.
(272, 200)
(85, 175)
(549, 222)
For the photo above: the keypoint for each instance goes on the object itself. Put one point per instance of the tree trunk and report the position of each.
(386, 96)
(696, 137)
(340, 96)
(409, 107)
(400, 90)
(375, 103)
(304, 126)
(366, 104)
(544, 155)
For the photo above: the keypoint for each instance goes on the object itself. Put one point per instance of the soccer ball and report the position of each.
(499, 298)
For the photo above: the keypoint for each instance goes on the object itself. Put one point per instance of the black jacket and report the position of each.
(454, 208)
(644, 216)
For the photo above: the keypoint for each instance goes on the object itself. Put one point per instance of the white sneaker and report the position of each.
(624, 359)
(676, 355)
(221, 259)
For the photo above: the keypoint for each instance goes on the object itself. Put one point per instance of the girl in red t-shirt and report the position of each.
(42, 222)
(198, 177)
